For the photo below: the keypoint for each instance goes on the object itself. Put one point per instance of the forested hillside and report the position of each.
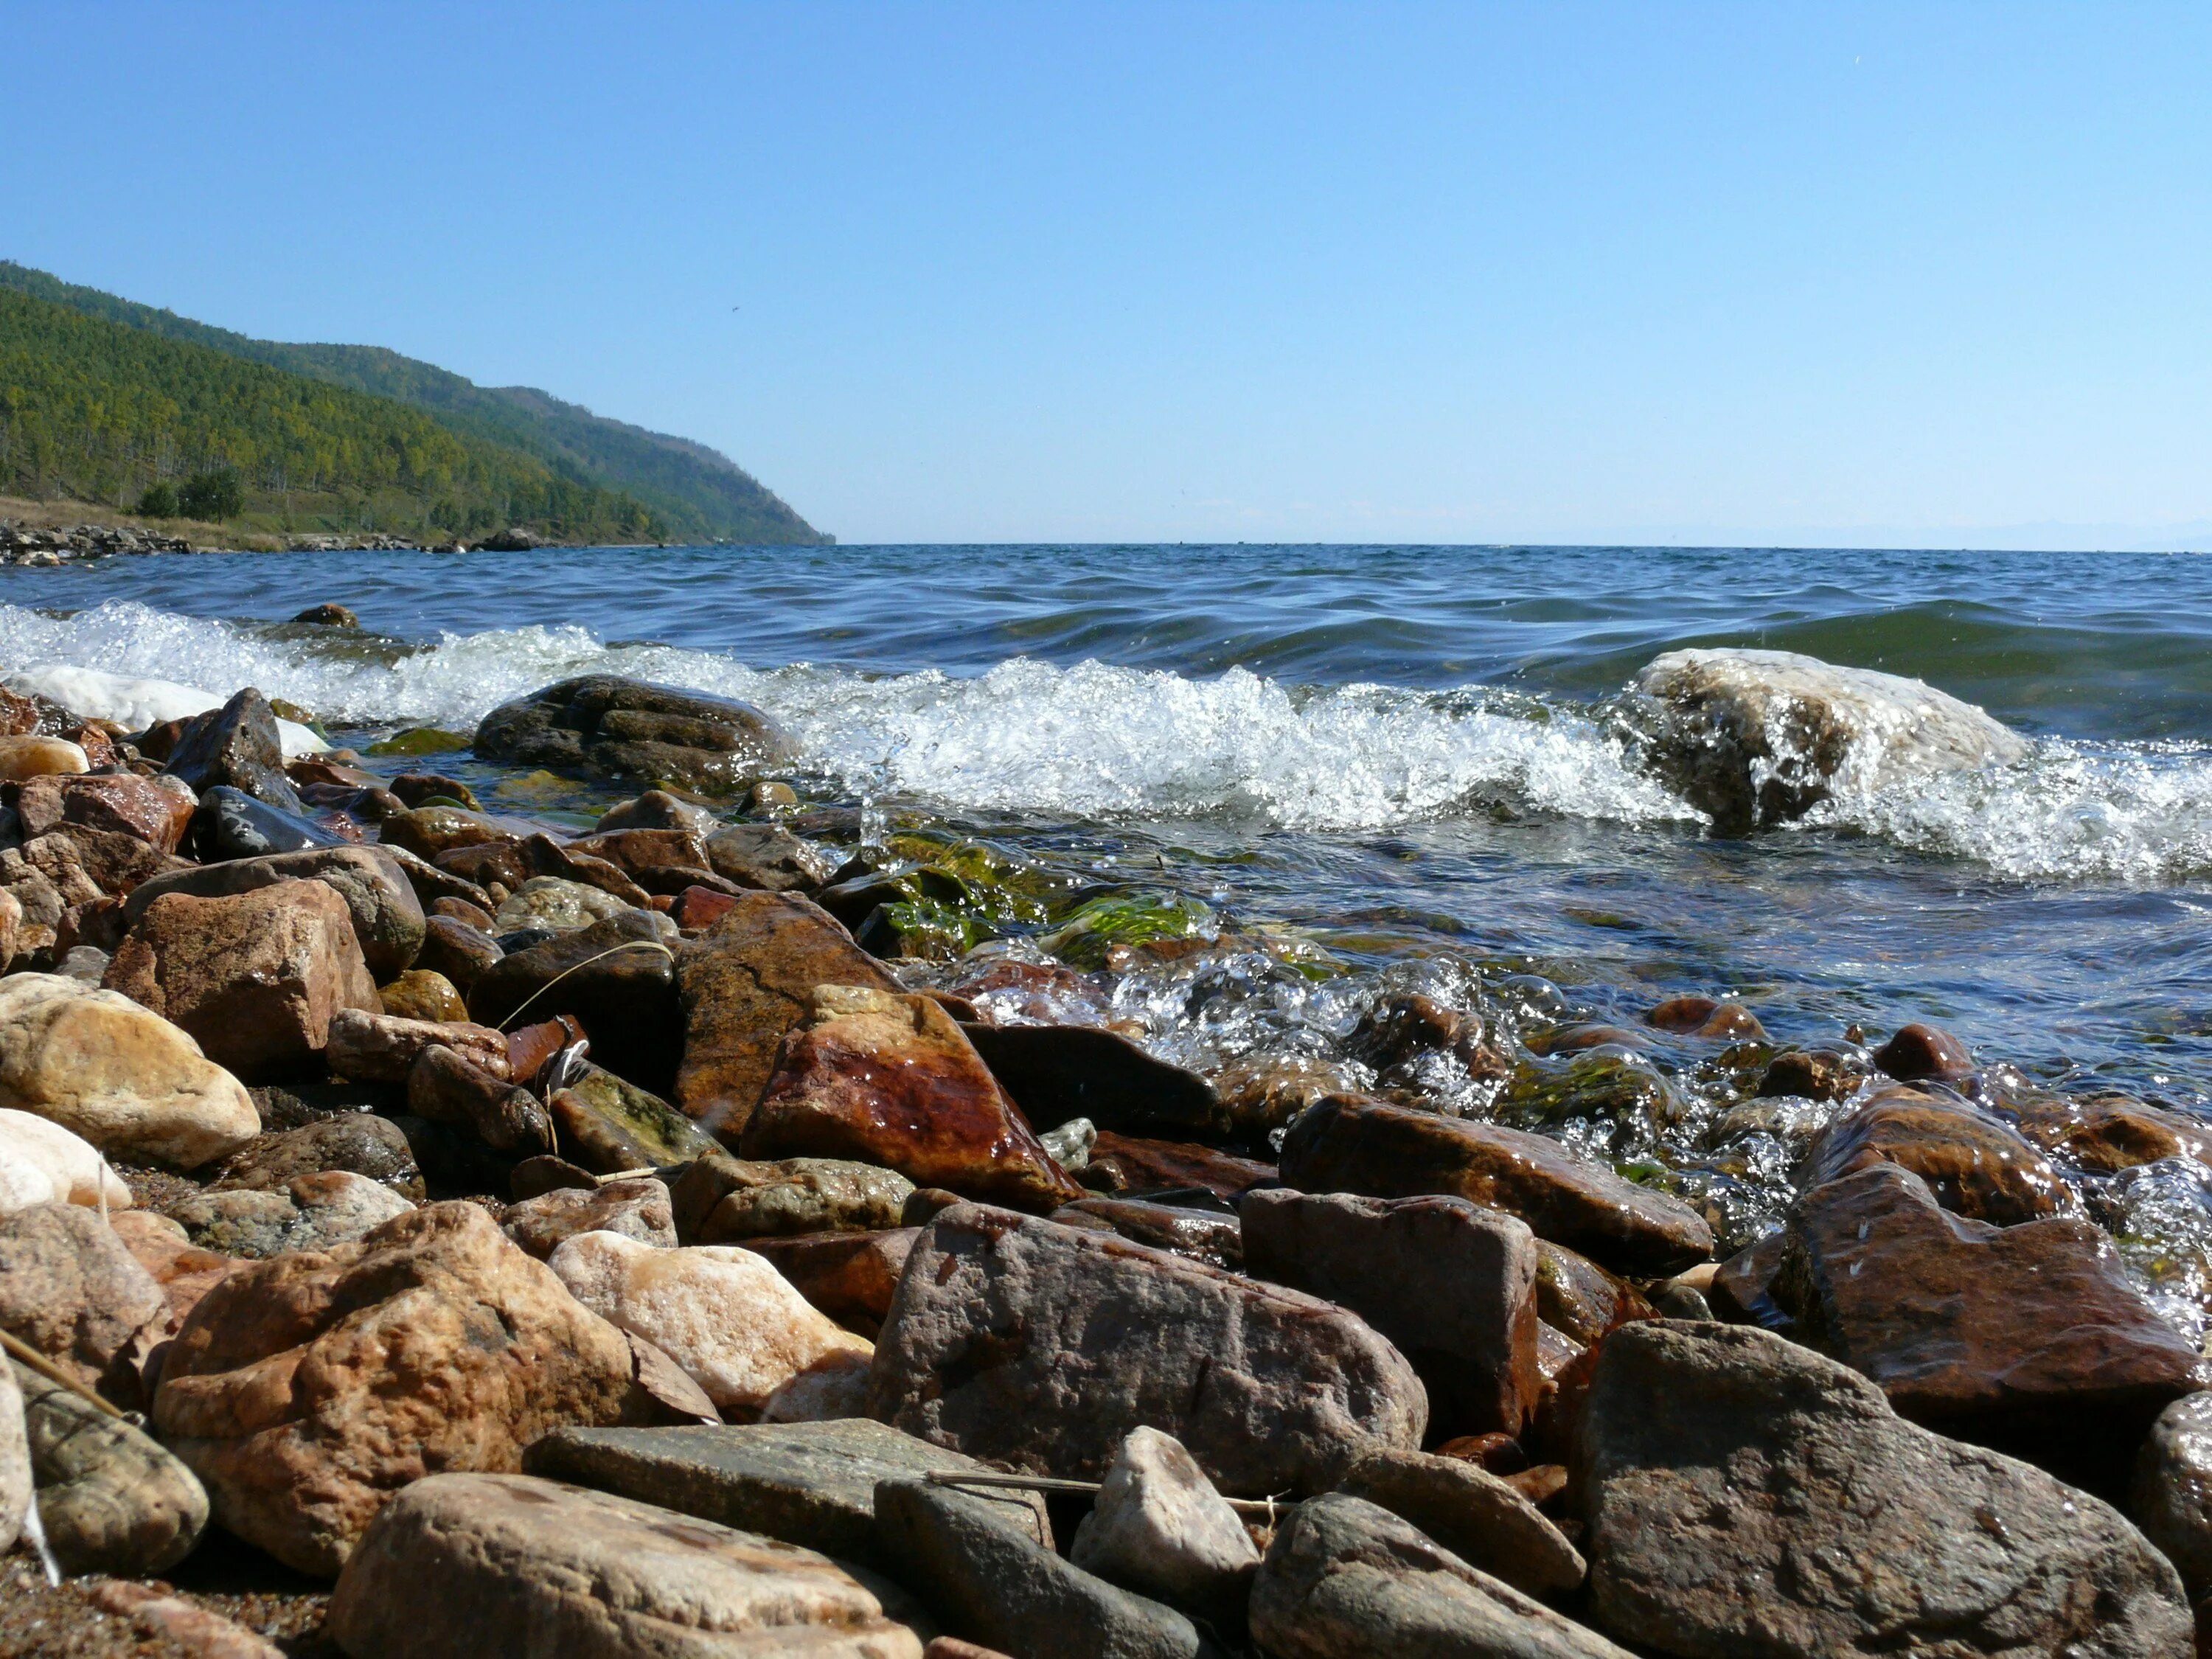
(102, 412)
(695, 492)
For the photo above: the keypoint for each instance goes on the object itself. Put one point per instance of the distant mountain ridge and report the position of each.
(695, 492)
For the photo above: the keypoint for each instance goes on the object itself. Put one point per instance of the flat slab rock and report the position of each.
(457, 1558)
(1743, 1495)
(810, 1484)
(1018, 1340)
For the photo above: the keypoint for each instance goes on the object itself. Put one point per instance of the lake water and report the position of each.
(1401, 756)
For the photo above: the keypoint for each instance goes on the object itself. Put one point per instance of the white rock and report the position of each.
(15, 1461)
(116, 1073)
(833, 1388)
(42, 1163)
(136, 704)
(725, 1316)
(1160, 1528)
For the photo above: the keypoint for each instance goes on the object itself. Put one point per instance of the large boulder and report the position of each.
(604, 725)
(1345, 1579)
(1745, 1495)
(125, 1079)
(879, 1077)
(2027, 1337)
(387, 916)
(255, 977)
(744, 983)
(1453, 1285)
(304, 1391)
(1756, 737)
(511, 1563)
(1016, 1340)
(1348, 1145)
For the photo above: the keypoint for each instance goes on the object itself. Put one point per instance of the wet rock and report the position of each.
(370, 1047)
(768, 857)
(431, 832)
(386, 917)
(991, 1583)
(1055, 1073)
(1581, 1299)
(608, 1125)
(1974, 1164)
(656, 809)
(24, 757)
(328, 615)
(2027, 1336)
(1127, 1164)
(1010, 1340)
(460, 909)
(310, 1212)
(809, 1484)
(744, 984)
(71, 1288)
(2109, 1134)
(612, 727)
(1481, 1519)
(305, 1390)
(1757, 738)
(42, 1163)
(557, 906)
(1198, 1234)
(586, 1573)
(1706, 1017)
(636, 1209)
(1452, 1285)
(110, 1498)
(1743, 1494)
(1813, 1074)
(254, 977)
(419, 994)
(414, 789)
(462, 953)
(445, 1086)
(1159, 1528)
(879, 1077)
(721, 1313)
(118, 802)
(639, 852)
(236, 746)
(126, 1079)
(2172, 1495)
(1071, 1143)
(1346, 1578)
(697, 908)
(232, 825)
(851, 1277)
(1919, 1052)
(614, 978)
(1390, 1151)
(722, 1200)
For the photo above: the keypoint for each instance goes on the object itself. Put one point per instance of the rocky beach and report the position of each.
(589, 1184)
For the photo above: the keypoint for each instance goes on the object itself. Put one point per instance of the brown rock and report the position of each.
(608, 1125)
(429, 831)
(1127, 1164)
(185, 1272)
(1920, 1052)
(636, 1209)
(720, 1199)
(460, 909)
(1055, 1073)
(744, 983)
(304, 1391)
(71, 1288)
(112, 863)
(1202, 1235)
(1704, 1017)
(255, 977)
(2026, 1337)
(239, 746)
(634, 852)
(421, 994)
(1579, 1299)
(445, 1087)
(851, 1277)
(462, 953)
(1012, 1339)
(613, 978)
(1974, 1164)
(388, 918)
(1349, 1145)
(877, 1078)
(2110, 1132)
(379, 1047)
(1476, 1516)
(120, 802)
(767, 856)
(602, 724)
(360, 1142)
(656, 809)
(699, 907)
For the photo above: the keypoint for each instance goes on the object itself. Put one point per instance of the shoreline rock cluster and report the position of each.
(621, 1242)
(27, 544)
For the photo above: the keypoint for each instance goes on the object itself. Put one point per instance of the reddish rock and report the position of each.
(383, 1047)
(697, 907)
(530, 1049)
(742, 984)
(634, 852)
(255, 977)
(121, 803)
(2110, 1132)
(1127, 1164)
(462, 953)
(387, 917)
(1813, 1074)
(1704, 1017)
(877, 1078)
(851, 1277)
(71, 1289)
(185, 1272)
(1579, 1299)
(1974, 1164)
(2028, 1337)
(1917, 1052)
(114, 863)
(460, 909)
(445, 1087)
(1349, 1144)
(1202, 1235)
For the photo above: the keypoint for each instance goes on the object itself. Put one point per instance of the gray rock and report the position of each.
(1159, 1528)
(810, 1484)
(609, 1125)
(1070, 1144)
(992, 1584)
(110, 1498)
(387, 917)
(71, 1289)
(2173, 1493)
(767, 856)
(722, 1200)
(636, 1209)
(614, 728)
(359, 1141)
(1744, 1495)
(1020, 1339)
(1761, 736)
(1484, 1520)
(557, 906)
(311, 1212)
(460, 1565)
(1345, 1579)
(237, 745)
(1453, 1285)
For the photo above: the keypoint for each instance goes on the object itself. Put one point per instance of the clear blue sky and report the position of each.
(1930, 273)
